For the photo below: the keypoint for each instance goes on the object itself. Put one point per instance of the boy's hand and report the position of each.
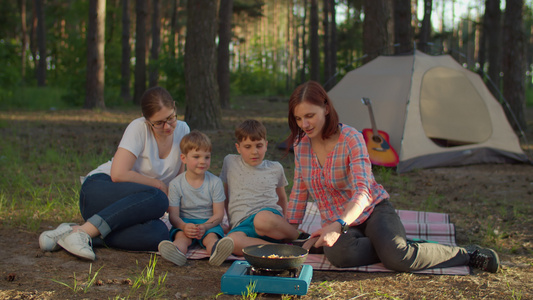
(191, 230)
(201, 231)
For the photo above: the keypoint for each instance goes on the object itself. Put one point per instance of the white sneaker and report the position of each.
(78, 243)
(48, 239)
(170, 252)
(221, 250)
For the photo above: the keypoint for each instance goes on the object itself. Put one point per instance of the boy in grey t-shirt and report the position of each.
(196, 205)
(255, 191)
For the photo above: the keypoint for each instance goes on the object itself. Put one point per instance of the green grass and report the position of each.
(84, 286)
(146, 285)
(34, 98)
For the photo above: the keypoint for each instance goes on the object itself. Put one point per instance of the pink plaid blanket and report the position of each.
(418, 225)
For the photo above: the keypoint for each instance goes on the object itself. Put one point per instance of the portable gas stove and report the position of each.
(240, 276)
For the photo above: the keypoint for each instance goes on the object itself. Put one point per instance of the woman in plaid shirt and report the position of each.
(359, 224)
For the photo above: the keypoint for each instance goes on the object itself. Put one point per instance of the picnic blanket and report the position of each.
(418, 225)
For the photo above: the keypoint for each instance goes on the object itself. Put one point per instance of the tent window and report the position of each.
(452, 111)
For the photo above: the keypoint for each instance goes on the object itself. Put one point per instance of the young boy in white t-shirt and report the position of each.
(196, 205)
(255, 191)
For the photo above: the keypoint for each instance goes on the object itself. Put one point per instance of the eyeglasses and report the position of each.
(160, 124)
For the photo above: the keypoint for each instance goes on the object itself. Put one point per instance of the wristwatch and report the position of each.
(344, 226)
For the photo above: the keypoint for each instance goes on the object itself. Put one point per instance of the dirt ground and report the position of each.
(487, 203)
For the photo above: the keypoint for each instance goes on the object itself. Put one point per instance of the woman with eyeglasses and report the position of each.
(123, 200)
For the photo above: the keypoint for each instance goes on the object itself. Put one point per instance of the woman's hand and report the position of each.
(327, 235)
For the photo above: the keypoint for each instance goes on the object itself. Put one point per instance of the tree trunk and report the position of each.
(375, 28)
(156, 43)
(202, 109)
(403, 36)
(333, 46)
(140, 51)
(173, 20)
(513, 63)
(493, 43)
(313, 47)
(224, 39)
(23, 38)
(125, 67)
(304, 44)
(482, 45)
(425, 32)
(327, 43)
(41, 43)
(95, 55)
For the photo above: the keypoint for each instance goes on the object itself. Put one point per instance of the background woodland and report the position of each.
(99, 54)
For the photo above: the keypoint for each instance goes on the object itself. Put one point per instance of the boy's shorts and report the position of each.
(217, 230)
(247, 226)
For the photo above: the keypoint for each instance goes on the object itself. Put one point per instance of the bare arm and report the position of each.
(121, 171)
(226, 192)
(174, 217)
(218, 215)
(282, 199)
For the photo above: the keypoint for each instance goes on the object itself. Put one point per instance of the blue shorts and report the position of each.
(217, 230)
(247, 226)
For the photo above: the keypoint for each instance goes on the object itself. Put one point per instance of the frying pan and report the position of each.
(288, 256)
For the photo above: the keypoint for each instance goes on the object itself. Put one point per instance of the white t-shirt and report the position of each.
(250, 188)
(139, 139)
(196, 203)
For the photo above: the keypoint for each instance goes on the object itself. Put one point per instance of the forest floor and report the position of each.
(489, 204)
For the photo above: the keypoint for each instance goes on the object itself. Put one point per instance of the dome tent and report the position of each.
(436, 112)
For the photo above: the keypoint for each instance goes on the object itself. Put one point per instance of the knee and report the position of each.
(339, 259)
(397, 261)
(159, 201)
(159, 233)
(263, 217)
(266, 220)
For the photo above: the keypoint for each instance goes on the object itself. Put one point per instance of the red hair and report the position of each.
(311, 92)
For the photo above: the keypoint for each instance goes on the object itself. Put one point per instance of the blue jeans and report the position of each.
(382, 238)
(127, 214)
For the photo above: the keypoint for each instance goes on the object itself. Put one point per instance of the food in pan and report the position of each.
(272, 256)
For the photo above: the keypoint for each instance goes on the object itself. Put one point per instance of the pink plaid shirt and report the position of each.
(345, 177)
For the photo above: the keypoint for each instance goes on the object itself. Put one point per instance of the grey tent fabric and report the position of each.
(436, 112)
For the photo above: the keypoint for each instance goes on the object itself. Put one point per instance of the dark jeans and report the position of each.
(126, 214)
(381, 238)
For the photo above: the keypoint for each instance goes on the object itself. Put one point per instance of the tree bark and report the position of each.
(304, 44)
(173, 21)
(513, 63)
(493, 27)
(125, 68)
(140, 51)
(375, 28)
(23, 38)
(95, 55)
(313, 47)
(327, 43)
(41, 43)
(425, 32)
(156, 44)
(202, 109)
(333, 46)
(224, 39)
(403, 33)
